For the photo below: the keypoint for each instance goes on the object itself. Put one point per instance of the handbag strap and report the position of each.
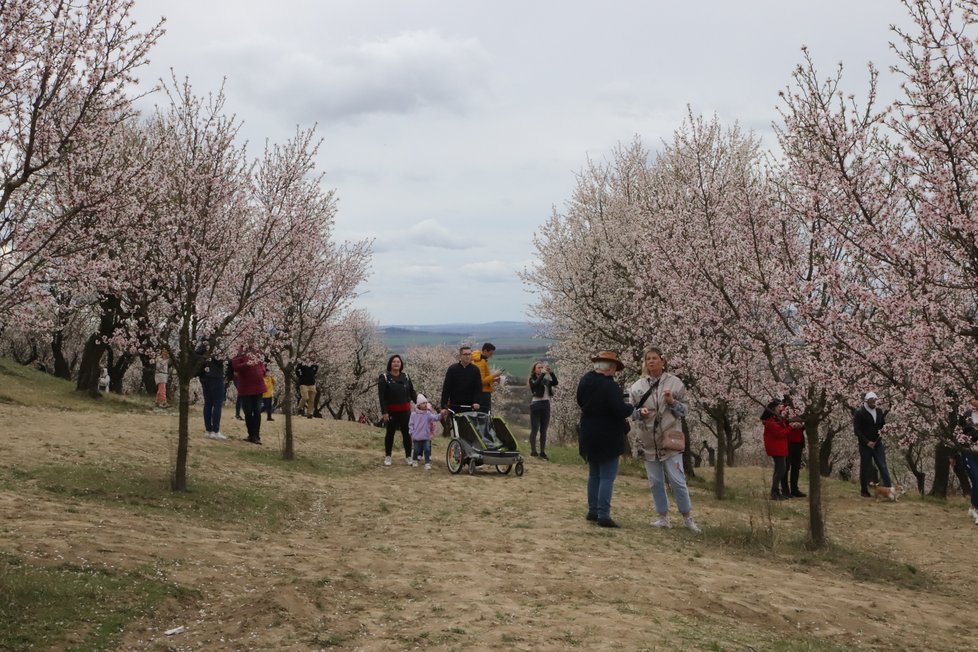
(647, 394)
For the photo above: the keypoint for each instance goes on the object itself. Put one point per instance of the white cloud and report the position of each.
(404, 74)
(426, 234)
(451, 128)
(491, 271)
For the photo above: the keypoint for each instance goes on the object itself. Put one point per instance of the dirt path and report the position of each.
(398, 558)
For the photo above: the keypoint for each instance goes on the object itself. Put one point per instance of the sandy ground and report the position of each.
(400, 558)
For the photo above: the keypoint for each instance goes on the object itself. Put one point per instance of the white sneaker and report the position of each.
(220, 435)
(662, 521)
(972, 512)
(427, 467)
(414, 462)
(691, 525)
(208, 435)
(409, 461)
(387, 461)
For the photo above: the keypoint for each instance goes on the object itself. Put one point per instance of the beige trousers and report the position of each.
(308, 395)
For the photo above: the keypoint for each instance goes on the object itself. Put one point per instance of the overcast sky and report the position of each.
(451, 128)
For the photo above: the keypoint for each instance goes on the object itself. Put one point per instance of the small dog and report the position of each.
(887, 493)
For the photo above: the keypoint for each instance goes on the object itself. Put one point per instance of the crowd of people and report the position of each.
(645, 421)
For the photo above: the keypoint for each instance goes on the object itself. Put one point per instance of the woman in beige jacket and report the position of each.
(661, 412)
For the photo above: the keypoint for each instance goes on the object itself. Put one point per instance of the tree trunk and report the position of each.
(61, 367)
(89, 371)
(288, 446)
(912, 463)
(816, 517)
(735, 439)
(963, 478)
(117, 370)
(719, 476)
(941, 458)
(148, 375)
(184, 363)
(825, 455)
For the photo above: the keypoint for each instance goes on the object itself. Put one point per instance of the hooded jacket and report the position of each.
(650, 433)
(483, 366)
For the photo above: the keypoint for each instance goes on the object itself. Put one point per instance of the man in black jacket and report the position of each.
(602, 434)
(306, 375)
(463, 383)
(867, 422)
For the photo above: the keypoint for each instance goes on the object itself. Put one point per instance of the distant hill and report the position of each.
(512, 335)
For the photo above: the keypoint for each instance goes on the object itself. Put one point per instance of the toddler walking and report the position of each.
(421, 426)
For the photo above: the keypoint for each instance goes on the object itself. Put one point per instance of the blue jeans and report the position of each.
(600, 485)
(869, 456)
(213, 402)
(656, 470)
(970, 461)
(422, 446)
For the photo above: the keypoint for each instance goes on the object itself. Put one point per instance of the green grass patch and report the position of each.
(28, 387)
(763, 537)
(717, 636)
(71, 607)
(143, 490)
(516, 364)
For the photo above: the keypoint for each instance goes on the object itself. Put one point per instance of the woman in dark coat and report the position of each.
(601, 441)
(396, 392)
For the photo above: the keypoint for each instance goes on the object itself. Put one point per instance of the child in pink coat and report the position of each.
(421, 426)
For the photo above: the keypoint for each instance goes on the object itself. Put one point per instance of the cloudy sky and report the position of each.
(452, 127)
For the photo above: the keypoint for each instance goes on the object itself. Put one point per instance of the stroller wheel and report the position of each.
(453, 456)
(472, 466)
(519, 468)
(504, 469)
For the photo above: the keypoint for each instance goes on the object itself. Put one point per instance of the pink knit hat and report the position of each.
(421, 400)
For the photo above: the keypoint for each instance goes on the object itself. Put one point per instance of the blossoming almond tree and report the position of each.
(353, 352)
(587, 270)
(219, 251)
(318, 280)
(902, 182)
(694, 246)
(66, 75)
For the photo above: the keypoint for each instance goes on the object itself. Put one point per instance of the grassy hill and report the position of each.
(335, 551)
